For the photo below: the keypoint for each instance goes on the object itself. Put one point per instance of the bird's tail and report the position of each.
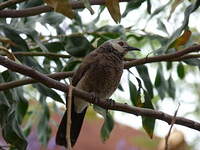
(76, 124)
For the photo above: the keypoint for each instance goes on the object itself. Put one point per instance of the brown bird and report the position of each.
(100, 74)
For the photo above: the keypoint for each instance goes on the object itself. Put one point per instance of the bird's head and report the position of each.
(119, 46)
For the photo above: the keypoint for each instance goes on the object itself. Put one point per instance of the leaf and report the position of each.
(22, 105)
(160, 83)
(108, 124)
(174, 6)
(162, 26)
(193, 61)
(52, 47)
(169, 65)
(180, 71)
(190, 9)
(114, 10)
(13, 35)
(120, 87)
(44, 131)
(144, 74)
(182, 40)
(61, 6)
(80, 48)
(48, 92)
(12, 132)
(171, 88)
(158, 10)
(134, 95)
(148, 123)
(149, 6)
(71, 65)
(88, 6)
(132, 5)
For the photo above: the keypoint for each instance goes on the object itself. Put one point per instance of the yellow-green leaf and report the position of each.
(182, 39)
(114, 10)
(61, 6)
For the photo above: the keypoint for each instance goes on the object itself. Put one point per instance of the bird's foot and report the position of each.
(109, 103)
(94, 97)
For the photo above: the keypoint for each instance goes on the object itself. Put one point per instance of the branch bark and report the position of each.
(51, 83)
(43, 8)
(167, 57)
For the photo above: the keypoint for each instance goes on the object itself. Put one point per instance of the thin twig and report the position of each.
(69, 106)
(51, 83)
(172, 123)
(46, 54)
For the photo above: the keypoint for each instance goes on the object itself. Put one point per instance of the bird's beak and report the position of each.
(130, 48)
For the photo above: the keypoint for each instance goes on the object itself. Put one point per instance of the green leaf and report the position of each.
(48, 92)
(149, 6)
(108, 124)
(192, 61)
(160, 83)
(144, 74)
(131, 6)
(12, 132)
(169, 65)
(44, 131)
(171, 88)
(13, 35)
(22, 105)
(80, 48)
(134, 95)
(180, 71)
(51, 18)
(148, 122)
(71, 65)
(52, 47)
(120, 87)
(158, 10)
(107, 127)
(88, 6)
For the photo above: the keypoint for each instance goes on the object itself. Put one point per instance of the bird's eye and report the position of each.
(121, 43)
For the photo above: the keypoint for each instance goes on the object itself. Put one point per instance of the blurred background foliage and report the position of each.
(154, 27)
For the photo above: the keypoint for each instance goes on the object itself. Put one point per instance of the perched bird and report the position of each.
(100, 74)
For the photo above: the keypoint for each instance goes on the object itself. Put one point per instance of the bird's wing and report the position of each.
(84, 67)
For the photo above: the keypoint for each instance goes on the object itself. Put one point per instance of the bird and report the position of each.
(99, 73)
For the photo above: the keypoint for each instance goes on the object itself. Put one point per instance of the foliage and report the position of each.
(78, 39)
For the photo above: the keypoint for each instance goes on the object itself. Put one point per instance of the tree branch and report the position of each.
(131, 63)
(51, 83)
(43, 8)
(167, 57)
(13, 84)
